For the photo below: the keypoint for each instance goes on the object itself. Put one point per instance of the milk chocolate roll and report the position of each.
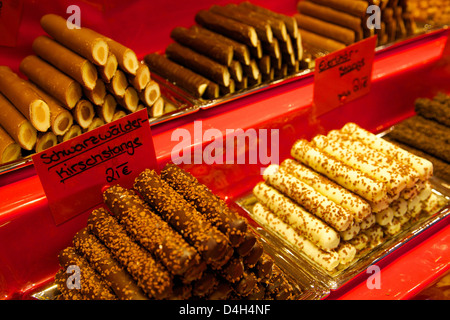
(149, 274)
(321, 42)
(107, 109)
(201, 43)
(253, 256)
(98, 94)
(126, 58)
(25, 99)
(142, 77)
(65, 293)
(130, 99)
(83, 41)
(198, 63)
(354, 7)
(233, 270)
(16, 125)
(205, 285)
(206, 202)
(231, 11)
(83, 113)
(74, 130)
(221, 292)
(102, 260)
(107, 71)
(9, 149)
(206, 238)
(244, 286)
(155, 234)
(67, 61)
(247, 244)
(331, 15)
(264, 267)
(45, 140)
(158, 108)
(150, 94)
(228, 27)
(118, 84)
(278, 287)
(91, 284)
(186, 79)
(60, 118)
(241, 52)
(96, 122)
(236, 71)
(53, 81)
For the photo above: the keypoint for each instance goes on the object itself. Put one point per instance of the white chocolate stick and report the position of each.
(314, 202)
(341, 196)
(328, 260)
(422, 166)
(337, 171)
(310, 226)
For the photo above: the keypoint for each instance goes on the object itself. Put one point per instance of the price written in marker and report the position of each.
(74, 172)
(343, 76)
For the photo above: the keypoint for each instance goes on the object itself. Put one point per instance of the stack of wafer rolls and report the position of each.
(427, 133)
(333, 24)
(343, 193)
(170, 237)
(229, 48)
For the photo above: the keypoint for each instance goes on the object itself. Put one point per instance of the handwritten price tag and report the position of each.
(73, 173)
(343, 76)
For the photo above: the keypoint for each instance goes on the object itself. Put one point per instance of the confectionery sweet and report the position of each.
(342, 194)
(162, 242)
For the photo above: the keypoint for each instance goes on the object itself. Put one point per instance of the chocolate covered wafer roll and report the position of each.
(264, 267)
(198, 63)
(96, 122)
(205, 285)
(118, 84)
(90, 283)
(142, 77)
(25, 99)
(246, 284)
(310, 199)
(9, 149)
(247, 243)
(308, 225)
(16, 125)
(321, 42)
(278, 287)
(241, 52)
(107, 71)
(262, 28)
(155, 234)
(45, 140)
(206, 202)
(354, 7)
(236, 30)
(67, 61)
(130, 100)
(61, 119)
(83, 113)
(65, 293)
(253, 256)
(53, 81)
(233, 270)
(107, 109)
(126, 58)
(74, 130)
(150, 94)
(81, 40)
(206, 238)
(98, 94)
(433, 110)
(173, 72)
(102, 260)
(149, 274)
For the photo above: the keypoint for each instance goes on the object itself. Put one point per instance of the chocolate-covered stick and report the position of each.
(142, 77)
(97, 95)
(433, 110)
(206, 238)
(130, 99)
(67, 61)
(126, 58)
(208, 46)
(83, 113)
(67, 294)
(45, 140)
(83, 41)
(74, 130)
(107, 109)
(246, 284)
(173, 72)
(9, 149)
(228, 27)
(155, 234)
(118, 84)
(354, 7)
(52, 80)
(198, 63)
(17, 126)
(102, 260)
(96, 122)
(150, 275)
(107, 71)
(60, 118)
(91, 284)
(150, 94)
(262, 28)
(325, 29)
(206, 202)
(241, 52)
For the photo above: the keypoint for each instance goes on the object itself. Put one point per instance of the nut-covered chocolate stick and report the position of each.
(25, 99)
(198, 63)
(154, 233)
(150, 275)
(60, 118)
(228, 27)
(102, 260)
(83, 41)
(208, 46)
(83, 113)
(9, 149)
(92, 285)
(16, 125)
(206, 202)
(173, 72)
(67, 61)
(45, 140)
(52, 80)
(241, 52)
(262, 28)
(200, 233)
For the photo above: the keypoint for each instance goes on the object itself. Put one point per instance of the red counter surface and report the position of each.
(30, 241)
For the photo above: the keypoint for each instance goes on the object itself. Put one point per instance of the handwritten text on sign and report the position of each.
(344, 75)
(73, 173)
